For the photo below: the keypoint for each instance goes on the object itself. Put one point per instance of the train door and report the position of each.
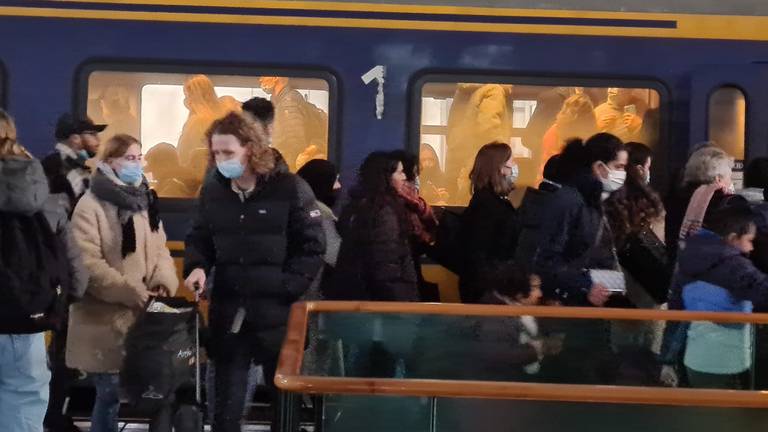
(729, 105)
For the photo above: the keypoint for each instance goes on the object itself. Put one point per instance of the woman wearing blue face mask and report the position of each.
(491, 225)
(117, 228)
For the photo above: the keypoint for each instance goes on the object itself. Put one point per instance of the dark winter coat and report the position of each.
(759, 256)
(35, 245)
(645, 258)
(708, 258)
(532, 214)
(375, 260)
(490, 230)
(568, 246)
(267, 249)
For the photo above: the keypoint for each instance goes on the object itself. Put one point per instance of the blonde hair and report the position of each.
(706, 164)
(9, 144)
(116, 147)
(251, 136)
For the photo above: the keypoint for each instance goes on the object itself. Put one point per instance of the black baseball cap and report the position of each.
(67, 125)
(86, 125)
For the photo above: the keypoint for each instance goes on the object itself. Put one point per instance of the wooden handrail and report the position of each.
(536, 311)
(526, 391)
(289, 378)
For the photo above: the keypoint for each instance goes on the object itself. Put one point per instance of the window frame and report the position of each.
(85, 69)
(417, 83)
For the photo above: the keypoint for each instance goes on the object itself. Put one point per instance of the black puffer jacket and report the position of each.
(490, 229)
(568, 243)
(375, 260)
(267, 249)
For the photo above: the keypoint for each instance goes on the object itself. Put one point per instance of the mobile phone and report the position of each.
(630, 109)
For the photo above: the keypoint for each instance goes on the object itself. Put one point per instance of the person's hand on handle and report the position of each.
(598, 295)
(669, 376)
(161, 291)
(196, 281)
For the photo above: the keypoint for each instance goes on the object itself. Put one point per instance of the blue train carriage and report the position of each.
(441, 78)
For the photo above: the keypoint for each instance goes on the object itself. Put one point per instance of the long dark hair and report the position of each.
(632, 208)
(635, 206)
(374, 191)
(410, 163)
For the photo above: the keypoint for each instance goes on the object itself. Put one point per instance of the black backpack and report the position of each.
(448, 248)
(34, 275)
(532, 216)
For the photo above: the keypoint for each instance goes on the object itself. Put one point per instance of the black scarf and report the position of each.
(129, 200)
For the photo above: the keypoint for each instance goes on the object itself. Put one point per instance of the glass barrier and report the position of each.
(421, 367)
(528, 349)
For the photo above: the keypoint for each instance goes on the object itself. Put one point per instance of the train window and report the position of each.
(535, 120)
(170, 113)
(727, 125)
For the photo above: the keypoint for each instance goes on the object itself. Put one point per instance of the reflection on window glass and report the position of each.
(727, 120)
(459, 118)
(170, 113)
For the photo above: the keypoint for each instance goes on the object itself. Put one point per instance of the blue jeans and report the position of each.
(107, 405)
(24, 378)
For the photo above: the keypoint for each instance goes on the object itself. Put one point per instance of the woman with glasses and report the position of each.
(491, 225)
(117, 227)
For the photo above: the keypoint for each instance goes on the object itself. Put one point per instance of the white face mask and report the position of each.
(514, 174)
(647, 177)
(614, 181)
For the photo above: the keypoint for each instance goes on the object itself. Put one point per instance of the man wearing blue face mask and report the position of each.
(65, 168)
(260, 227)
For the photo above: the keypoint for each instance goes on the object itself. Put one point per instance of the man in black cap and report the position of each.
(89, 133)
(68, 176)
(65, 168)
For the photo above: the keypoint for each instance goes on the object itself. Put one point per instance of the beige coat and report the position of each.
(98, 324)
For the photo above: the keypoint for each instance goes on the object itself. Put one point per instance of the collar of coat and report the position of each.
(261, 181)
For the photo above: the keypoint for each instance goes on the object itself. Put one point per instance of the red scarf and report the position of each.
(422, 218)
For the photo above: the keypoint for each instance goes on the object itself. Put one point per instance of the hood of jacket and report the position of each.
(703, 252)
(23, 186)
